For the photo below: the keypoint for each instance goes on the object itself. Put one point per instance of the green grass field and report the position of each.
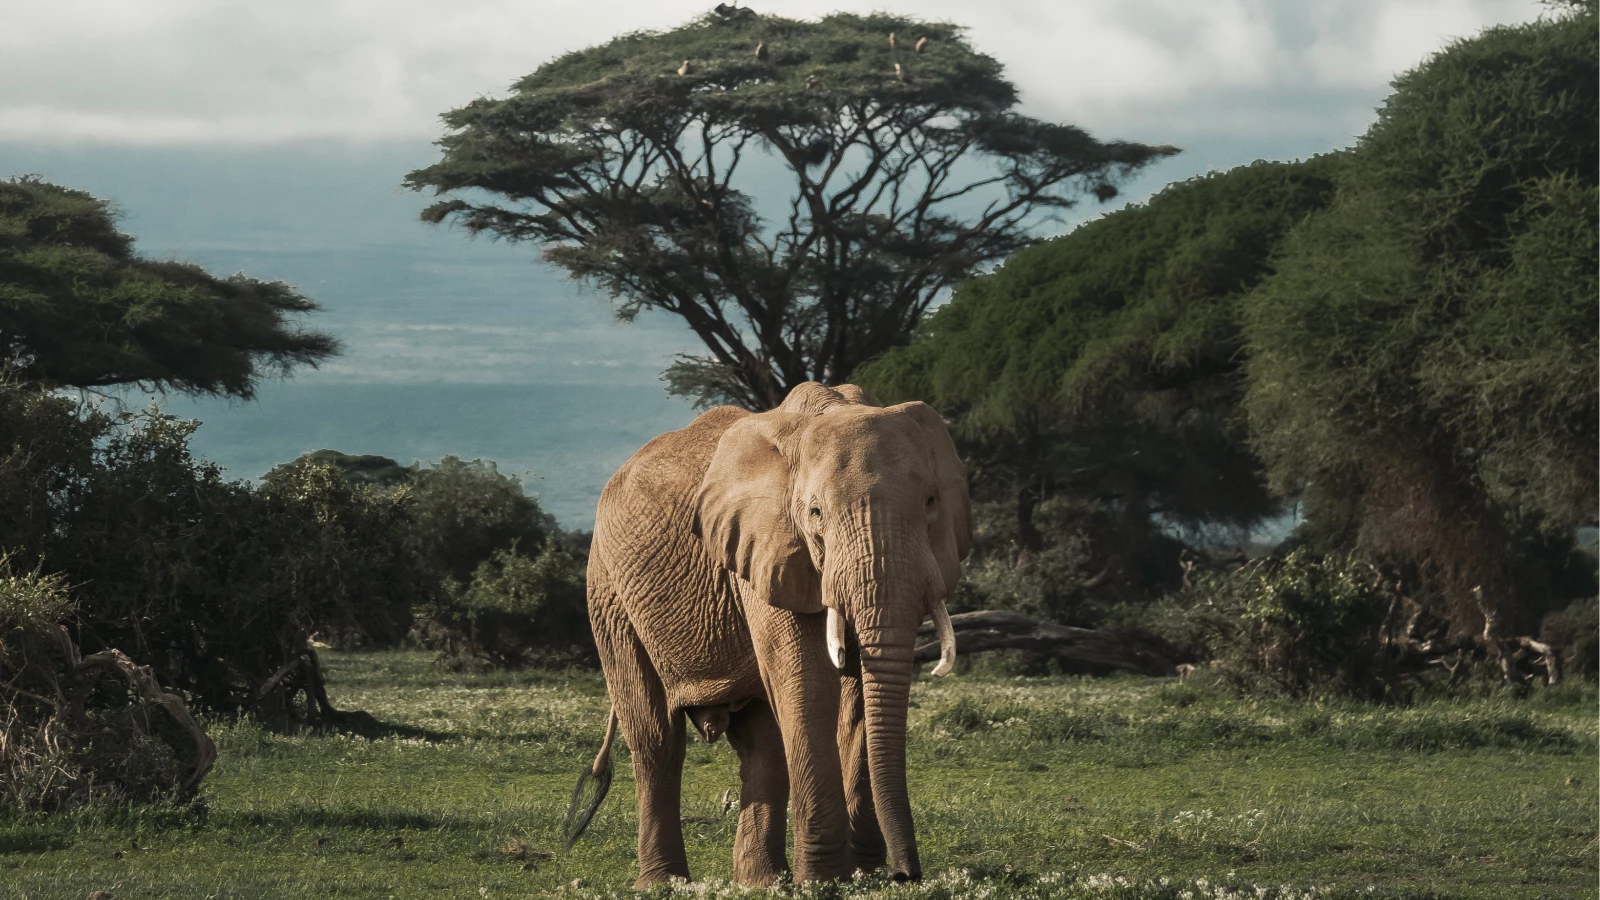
(1133, 788)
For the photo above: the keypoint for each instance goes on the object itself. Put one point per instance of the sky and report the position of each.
(208, 72)
(271, 138)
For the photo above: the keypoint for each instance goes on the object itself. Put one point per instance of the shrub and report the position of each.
(77, 730)
(1574, 634)
(1300, 624)
(467, 511)
(516, 612)
(215, 584)
(462, 511)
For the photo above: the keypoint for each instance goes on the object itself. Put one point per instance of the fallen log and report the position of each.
(1086, 651)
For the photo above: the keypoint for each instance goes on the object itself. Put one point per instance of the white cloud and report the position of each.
(190, 71)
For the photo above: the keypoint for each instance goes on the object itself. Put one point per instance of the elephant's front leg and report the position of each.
(803, 691)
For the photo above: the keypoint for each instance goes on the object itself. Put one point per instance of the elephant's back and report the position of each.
(676, 598)
(665, 473)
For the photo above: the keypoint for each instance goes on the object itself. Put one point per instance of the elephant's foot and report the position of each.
(832, 866)
(658, 875)
(757, 871)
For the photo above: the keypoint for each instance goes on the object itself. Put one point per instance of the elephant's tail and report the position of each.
(581, 812)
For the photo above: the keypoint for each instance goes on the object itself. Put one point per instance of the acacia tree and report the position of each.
(906, 164)
(78, 308)
(1422, 365)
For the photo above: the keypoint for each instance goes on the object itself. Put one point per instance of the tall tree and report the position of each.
(1105, 364)
(79, 309)
(1423, 365)
(908, 170)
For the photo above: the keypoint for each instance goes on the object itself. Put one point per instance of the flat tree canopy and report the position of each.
(1107, 363)
(907, 170)
(79, 309)
(1423, 365)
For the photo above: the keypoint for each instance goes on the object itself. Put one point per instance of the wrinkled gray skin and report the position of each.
(723, 556)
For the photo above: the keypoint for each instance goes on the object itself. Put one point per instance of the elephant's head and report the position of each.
(832, 503)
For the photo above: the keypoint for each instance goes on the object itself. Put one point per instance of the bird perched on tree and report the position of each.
(811, 82)
(685, 69)
(922, 43)
(891, 40)
(899, 73)
(761, 51)
(726, 11)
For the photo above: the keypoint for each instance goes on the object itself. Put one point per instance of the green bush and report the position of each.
(1574, 633)
(1422, 361)
(1087, 572)
(508, 584)
(214, 583)
(462, 511)
(1302, 624)
(516, 612)
(466, 512)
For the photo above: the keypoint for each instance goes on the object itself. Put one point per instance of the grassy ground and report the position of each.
(1135, 788)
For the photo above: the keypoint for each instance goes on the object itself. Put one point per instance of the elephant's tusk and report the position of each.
(836, 638)
(947, 639)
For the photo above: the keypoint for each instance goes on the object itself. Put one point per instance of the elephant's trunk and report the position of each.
(886, 667)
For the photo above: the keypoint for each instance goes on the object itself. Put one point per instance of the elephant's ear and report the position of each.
(744, 515)
(952, 537)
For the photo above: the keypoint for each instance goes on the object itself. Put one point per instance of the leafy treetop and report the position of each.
(1423, 365)
(79, 309)
(1107, 361)
(908, 170)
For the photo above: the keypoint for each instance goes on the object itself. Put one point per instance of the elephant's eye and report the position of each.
(931, 499)
(816, 514)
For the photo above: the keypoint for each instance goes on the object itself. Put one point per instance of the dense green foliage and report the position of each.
(1104, 366)
(1399, 339)
(1141, 301)
(1423, 364)
(468, 511)
(510, 583)
(1012, 780)
(1301, 625)
(909, 169)
(216, 584)
(518, 611)
(78, 308)
(365, 468)
(463, 512)
(1576, 630)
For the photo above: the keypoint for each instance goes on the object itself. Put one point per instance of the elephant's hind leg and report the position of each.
(655, 735)
(759, 849)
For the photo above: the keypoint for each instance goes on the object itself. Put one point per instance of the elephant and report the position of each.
(764, 575)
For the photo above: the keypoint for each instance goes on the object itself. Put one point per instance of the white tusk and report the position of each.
(947, 639)
(836, 638)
